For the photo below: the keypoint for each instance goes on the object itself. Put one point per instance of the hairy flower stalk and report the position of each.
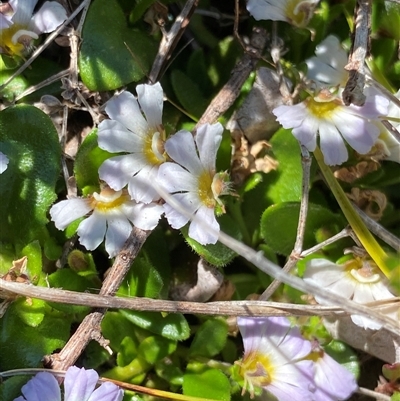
(19, 27)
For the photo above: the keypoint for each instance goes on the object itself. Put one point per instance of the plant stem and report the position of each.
(367, 240)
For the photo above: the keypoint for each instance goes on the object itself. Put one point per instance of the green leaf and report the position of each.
(142, 280)
(21, 346)
(217, 254)
(88, 160)
(173, 326)
(69, 280)
(202, 345)
(169, 370)
(27, 187)
(155, 348)
(188, 93)
(10, 389)
(212, 384)
(279, 225)
(344, 355)
(112, 55)
(115, 327)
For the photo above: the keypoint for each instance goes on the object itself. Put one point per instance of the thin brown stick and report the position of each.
(9, 290)
(231, 90)
(171, 39)
(354, 90)
(90, 329)
(301, 226)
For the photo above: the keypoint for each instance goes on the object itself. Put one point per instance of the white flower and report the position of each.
(295, 12)
(79, 385)
(327, 66)
(193, 182)
(389, 144)
(273, 359)
(332, 120)
(3, 162)
(113, 215)
(333, 381)
(142, 138)
(358, 280)
(24, 27)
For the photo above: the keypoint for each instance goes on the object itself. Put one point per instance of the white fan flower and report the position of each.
(193, 181)
(358, 280)
(140, 138)
(113, 213)
(295, 12)
(327, 116)
(19, 27)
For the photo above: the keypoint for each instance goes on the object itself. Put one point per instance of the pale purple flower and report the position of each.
(142, 138)
(328, 117)
(3, 162)
(193, 181)
(295, 12)
(113, 213)
(327, 66)
(358, 280)
(332, 380)
(79, 385)
(273, 359)
(389, 144)
(18, 31)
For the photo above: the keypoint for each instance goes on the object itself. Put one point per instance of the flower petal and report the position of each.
(175, 178)
(42, 387)
(140, 186)
(107, 392)
(188, 201)
(267, 9)
(143, 216)
(151, 99)
(118, 231)
(333, 381)
(79, 384)
(3, 162)
(332, 144)
(204, 228)
(181, 148)
(91, 231)
(208, 138)
(124, 108)
(65, 212)
(50, 16)
(118, 171)
(358, 132)
(23, 11)
(115, 137)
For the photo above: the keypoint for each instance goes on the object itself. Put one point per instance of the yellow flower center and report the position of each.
(257, 370)
(298, 12)
(322, 109)
(205, 184)
(16, 40)
(108, 199)
(364, 272)
(153, 149)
